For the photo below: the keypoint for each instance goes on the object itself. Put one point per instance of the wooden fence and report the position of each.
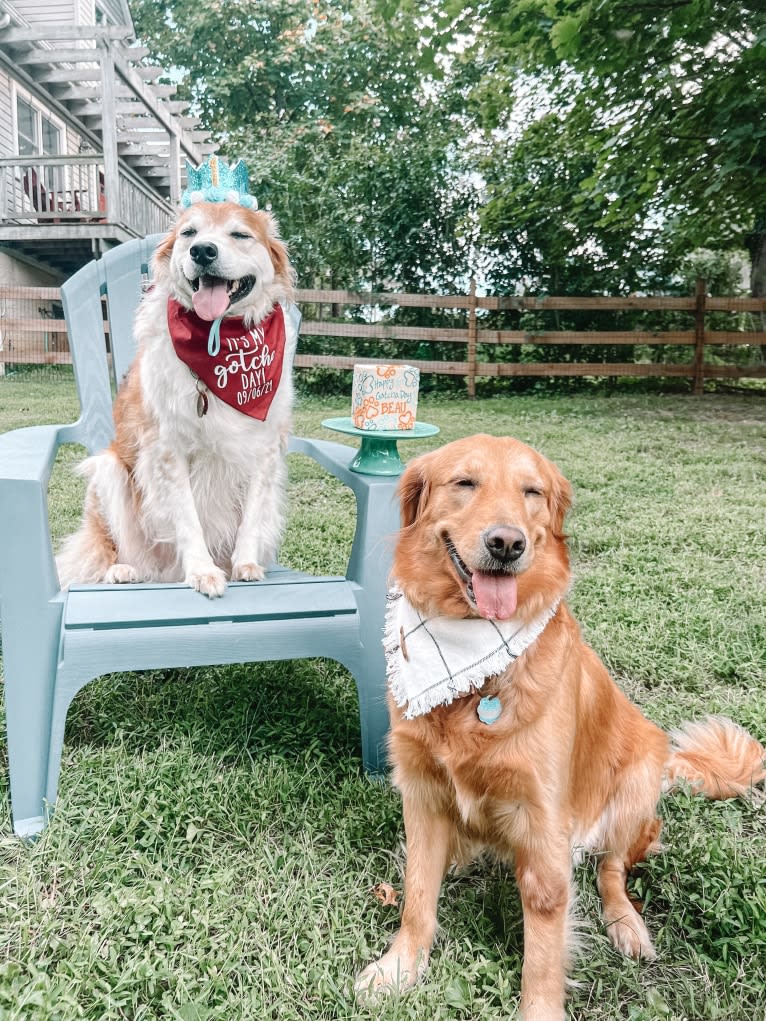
(32, 331)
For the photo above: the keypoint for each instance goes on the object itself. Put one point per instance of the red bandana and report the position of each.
(248, 367)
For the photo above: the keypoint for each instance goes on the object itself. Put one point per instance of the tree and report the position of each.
(548, 232)
(342, 139)
(670, 95)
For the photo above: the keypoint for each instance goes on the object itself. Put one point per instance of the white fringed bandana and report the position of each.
(433, 660)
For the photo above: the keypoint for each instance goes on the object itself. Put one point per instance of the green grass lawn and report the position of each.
(215, 841)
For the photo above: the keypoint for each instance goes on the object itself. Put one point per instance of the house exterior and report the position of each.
(92, 149)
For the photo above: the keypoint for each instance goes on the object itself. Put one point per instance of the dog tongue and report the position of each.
(495, 594)
(211, 299)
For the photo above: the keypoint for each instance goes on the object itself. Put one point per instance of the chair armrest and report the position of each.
(377, 512)
(28, 454)
(335, 457)
(27, 569)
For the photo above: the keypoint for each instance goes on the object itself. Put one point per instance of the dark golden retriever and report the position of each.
(539, 759)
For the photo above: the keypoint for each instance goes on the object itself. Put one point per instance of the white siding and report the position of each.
(47, 12)
(72, 140)
(7, 147)
(86, 12)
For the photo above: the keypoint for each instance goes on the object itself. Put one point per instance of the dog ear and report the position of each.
(559, 500)
(162, 254)
(278, 251)
(414, 489)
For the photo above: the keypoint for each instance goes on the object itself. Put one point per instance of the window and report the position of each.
(37, 135)
(51, 137)
(26, 127)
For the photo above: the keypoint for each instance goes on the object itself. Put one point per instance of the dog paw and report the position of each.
(121, 574)
(631, 937)
(210, 581)
(248, 572)
(388, 976)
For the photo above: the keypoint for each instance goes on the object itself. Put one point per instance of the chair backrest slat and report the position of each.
(84, 313)
(118, 275)
(125, 275)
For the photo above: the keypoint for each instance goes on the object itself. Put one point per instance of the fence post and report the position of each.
(472, 336)
(700, 296)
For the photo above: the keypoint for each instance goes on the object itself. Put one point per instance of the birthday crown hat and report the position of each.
(215, 181)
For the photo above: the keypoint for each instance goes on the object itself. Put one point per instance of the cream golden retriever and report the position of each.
(543, 759)
(191, 489)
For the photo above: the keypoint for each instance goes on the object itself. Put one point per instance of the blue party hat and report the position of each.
(215, 181)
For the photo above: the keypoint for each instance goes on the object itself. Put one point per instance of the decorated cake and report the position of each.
(384, 397)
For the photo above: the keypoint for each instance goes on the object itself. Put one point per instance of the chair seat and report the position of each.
(288, 615)
(282, 595)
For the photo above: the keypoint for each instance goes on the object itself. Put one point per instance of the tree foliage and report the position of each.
(341, 137)
(575, 146)
(659, 102)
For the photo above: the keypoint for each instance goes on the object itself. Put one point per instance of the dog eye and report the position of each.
(240, 235)
(188, 233)
(465, 483)
(531, 491)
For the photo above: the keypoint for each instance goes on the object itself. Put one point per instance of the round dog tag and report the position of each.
(488, 710)
(202, 402)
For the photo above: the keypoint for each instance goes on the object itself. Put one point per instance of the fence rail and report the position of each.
(33, 332)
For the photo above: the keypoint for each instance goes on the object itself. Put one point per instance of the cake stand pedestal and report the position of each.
(378, 454)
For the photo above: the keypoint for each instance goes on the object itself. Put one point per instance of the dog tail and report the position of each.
(716, 756)
(86, 555)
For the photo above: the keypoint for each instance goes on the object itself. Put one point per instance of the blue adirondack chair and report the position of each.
(56, 642)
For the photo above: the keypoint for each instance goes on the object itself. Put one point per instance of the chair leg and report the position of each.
(369, 567)
(62, 700)
(30, 678)
(370, 677)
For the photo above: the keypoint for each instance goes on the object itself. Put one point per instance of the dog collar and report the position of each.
(243, 368)
(431, 661)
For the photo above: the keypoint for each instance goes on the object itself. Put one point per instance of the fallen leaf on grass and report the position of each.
(386, 894)
(49, 895)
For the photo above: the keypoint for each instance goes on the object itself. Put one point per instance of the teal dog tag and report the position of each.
(489, 709)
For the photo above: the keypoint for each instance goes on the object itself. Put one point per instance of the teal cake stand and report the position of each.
(378, 454)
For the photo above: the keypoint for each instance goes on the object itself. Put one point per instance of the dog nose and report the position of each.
(504, 542)
(204, 254)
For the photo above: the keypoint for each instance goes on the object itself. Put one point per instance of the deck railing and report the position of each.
(71, 189)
